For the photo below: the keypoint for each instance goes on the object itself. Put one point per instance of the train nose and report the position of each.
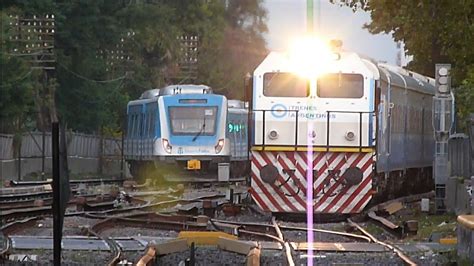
(269, 174)
(353, 176)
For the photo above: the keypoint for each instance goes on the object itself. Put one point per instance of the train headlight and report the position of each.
(219, 146)
(310, 56)
(273, 134)
(350, 136)
(166, 146)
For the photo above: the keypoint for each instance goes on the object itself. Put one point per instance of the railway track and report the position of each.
(144, 215)
(397, 251)
(14, 183)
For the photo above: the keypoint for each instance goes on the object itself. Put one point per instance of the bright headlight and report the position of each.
(310, 56)
(219, 146)
(166, 145)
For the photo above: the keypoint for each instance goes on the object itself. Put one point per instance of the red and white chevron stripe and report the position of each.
(330, 195)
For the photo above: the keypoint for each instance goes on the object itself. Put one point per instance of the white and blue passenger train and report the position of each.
(185, 127)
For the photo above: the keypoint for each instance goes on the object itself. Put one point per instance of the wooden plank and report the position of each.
(171, 247)
(204, 238)
(393, 207)
(236, 246)
(253, 257)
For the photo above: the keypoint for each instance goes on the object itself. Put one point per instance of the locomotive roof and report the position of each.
(404, 78)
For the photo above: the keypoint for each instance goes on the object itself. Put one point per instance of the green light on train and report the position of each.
(235, 127)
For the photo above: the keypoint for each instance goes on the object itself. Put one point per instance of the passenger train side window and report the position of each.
(341, 85)
(284, 85)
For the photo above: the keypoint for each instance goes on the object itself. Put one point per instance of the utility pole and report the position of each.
(442, 124)
(33, 39)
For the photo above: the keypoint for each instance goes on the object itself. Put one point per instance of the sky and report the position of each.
(287, 19)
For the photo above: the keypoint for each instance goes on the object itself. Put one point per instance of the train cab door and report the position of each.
(384, 113)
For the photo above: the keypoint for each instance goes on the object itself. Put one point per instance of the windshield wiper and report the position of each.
(202, 129)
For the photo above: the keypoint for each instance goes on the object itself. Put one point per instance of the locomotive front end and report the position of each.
(313, 132)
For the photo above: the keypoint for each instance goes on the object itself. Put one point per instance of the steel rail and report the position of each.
(148, 205)
(14, 183)
(20, 196)
(161, 224)
(285, 227)
(8, 205)
(269, 227)
(286, 245)
(397, 251)
(114, 247)
(11, 228)
(272, 237)
(26, 212)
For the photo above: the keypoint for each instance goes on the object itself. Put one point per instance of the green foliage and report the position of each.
(17, 82)
(93, 83)
(240, 50)
(465, 99)
(434, 32)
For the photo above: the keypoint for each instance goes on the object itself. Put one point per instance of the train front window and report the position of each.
(284, 85)
(341, 85)
(193, 120)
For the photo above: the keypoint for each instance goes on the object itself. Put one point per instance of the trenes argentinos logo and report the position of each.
(279, 110)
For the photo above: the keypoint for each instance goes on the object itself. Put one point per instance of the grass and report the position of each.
(444, 224)
(373, 229)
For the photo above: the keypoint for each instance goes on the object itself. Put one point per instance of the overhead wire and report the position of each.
(89, 79)
(11, 83)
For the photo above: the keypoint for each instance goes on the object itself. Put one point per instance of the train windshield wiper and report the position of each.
(202, 129)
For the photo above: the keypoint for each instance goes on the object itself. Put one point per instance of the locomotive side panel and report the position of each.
(396, 159)
(414, 137)
(383, 124)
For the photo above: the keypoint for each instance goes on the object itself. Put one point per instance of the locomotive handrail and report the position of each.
(328, 122)
(264, 111)
(346, 112)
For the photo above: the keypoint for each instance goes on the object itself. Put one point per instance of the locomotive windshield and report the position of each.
(187, 120)
(284, 85)
(341, 86)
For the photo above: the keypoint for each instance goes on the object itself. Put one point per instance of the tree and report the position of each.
(17, 88)
(433, 32)
(240, 50)
(109, 52)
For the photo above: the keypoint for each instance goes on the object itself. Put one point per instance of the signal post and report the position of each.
(442, 125)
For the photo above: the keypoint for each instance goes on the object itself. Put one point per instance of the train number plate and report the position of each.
(194, 165)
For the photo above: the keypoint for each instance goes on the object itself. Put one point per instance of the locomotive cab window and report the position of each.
(284, 85)
(341, 86)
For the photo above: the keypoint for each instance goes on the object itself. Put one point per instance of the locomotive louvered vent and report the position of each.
(149, 94)
(185, 89)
